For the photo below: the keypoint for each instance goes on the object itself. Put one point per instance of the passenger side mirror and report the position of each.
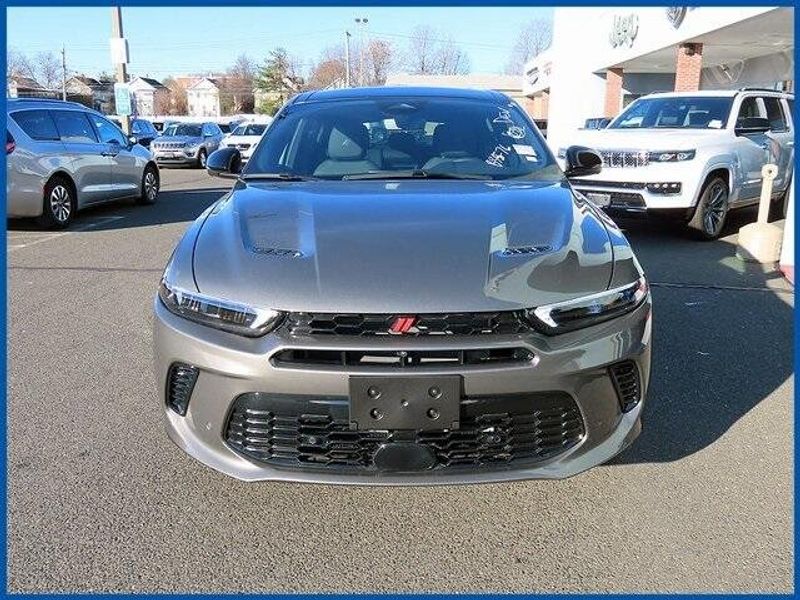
(751, 125)
(225, 162)
(582, 161)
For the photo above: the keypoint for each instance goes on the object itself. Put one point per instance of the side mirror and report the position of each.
(225, 162)
(582, 161)
(751, 125)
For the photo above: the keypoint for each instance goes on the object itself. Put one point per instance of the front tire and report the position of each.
(150, 186)
(201, 158)
(58, 205)
(712, 210)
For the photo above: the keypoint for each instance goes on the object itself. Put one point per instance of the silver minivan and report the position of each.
(62, 157)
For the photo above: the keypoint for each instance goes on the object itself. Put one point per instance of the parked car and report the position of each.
(142, 131)
(429, 305)
(186, 143)
(692, 155)
(62, 156)
(244, 138)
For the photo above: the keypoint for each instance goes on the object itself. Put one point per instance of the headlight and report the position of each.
(590, 310)
(671, 155)
(222, 314)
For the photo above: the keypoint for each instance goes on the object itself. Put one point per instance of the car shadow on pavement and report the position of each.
(722, 339)
(173, 206)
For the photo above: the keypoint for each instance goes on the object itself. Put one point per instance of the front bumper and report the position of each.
(175, 157)
(574, 364)
(631, 190)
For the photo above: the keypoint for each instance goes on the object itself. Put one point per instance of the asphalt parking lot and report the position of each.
(100, 500)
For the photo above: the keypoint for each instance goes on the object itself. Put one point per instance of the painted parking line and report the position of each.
(26, 239)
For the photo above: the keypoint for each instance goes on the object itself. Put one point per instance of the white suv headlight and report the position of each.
(233, 317)
(560, 317)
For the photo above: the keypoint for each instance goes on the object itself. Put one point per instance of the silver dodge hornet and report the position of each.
(402, 287)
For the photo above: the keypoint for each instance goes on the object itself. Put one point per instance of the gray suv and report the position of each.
(62, 156)
(187, 144)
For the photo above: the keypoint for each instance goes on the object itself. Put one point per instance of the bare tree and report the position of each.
(421, 51)
(18, 64)
(179, 102)
(237, 87)
(48, 70)
(450, 59)
(533, 38)
(379, 60)
(329, 72)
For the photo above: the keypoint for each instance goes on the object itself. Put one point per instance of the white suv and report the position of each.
(694, 155)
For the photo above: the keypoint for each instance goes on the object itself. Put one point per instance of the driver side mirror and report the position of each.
(225, 162)
(581, 161)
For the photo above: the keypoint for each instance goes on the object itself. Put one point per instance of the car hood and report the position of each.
(644, 139)
(401, 247)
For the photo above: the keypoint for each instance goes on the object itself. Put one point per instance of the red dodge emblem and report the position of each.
(402, 324)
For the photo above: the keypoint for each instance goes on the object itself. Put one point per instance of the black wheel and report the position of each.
(150, 186)
(58, 205)
(712, 210)
(201, 158)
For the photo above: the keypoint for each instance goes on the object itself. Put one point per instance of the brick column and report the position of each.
(688, 64)
(613, 92)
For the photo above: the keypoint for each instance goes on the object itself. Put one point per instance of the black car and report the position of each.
(141, 129)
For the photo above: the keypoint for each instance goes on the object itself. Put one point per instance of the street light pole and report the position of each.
(63, 73)
(362, 23)
(121, 67)
(347, 58)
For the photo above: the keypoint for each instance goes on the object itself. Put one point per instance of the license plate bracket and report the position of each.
(392, 402)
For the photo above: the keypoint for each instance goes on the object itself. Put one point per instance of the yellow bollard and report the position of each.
(761, 241)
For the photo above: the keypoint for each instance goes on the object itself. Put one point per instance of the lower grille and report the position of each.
(620, 199)
(625, 376)
(401, 358)
(313, 432)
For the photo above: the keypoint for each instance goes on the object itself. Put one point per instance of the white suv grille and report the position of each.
(624, 158)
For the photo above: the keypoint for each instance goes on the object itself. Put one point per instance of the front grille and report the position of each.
(625, 376)
(313, 432)
(620, 199)
(624, 158)
(169, 145)
(367, 325)
(401, 359)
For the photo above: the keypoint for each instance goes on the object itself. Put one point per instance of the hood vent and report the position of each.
(523, 250)
(278, 252)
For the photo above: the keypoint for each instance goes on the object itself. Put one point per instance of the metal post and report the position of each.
(362, 23)
(347, 58)
(63, 73)
(121, 68)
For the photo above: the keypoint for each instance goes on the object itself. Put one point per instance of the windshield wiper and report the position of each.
(279, 176)
(415, 174)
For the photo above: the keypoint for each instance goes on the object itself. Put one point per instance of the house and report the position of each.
(150, 96)
(510, 85)
(203, 98)
(20, 86)
(93, 93)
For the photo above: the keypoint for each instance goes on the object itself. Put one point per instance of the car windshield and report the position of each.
(676, 112)
(183, 129)
(387, 138)
(249, 129)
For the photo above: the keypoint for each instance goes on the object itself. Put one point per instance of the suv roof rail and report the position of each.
(762, 89)
(47, 101)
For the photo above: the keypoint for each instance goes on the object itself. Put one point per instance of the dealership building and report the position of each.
(601, 59)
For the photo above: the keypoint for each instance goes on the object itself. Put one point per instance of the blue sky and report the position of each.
(172, 41)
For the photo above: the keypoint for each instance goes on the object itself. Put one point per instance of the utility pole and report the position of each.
(63, 73)
(362, 23)
(121, 67)
(347, 59)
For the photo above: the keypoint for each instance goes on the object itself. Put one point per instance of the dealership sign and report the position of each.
(624, 30)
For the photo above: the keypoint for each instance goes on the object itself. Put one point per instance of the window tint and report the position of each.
(74, 127)
(676, 112)
(777, 121)
(749, 108)
(108, 132)
(37, 124)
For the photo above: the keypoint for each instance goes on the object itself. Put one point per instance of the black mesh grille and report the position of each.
(625, 376)
(401, 359)
(494, 432)
(366, 325)
(180, 383)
